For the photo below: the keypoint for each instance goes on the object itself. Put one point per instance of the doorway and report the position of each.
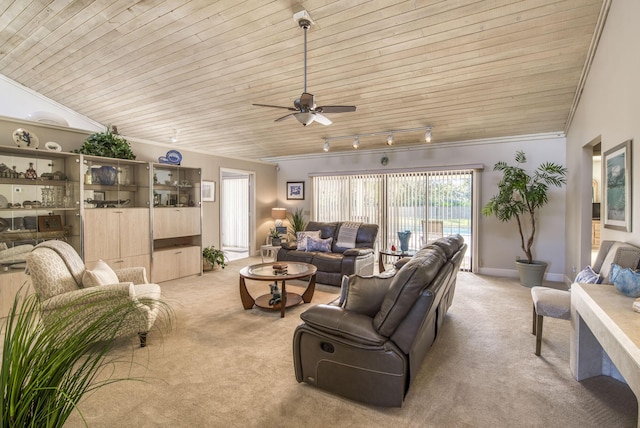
(596, 199)
(236, 212)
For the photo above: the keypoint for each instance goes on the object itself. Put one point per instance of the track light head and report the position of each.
(427, 135)
(390, 139)
(326, 145)
(356, 142)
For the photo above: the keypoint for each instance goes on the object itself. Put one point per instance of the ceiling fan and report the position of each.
(306, 111)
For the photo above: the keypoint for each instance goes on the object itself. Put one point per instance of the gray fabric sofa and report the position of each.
(369, 346)
(332, 266)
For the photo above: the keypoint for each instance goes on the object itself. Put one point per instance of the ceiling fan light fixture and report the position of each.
(326, 145)
(304, 117)
(427, 135)
(356, 142)
(390, 140)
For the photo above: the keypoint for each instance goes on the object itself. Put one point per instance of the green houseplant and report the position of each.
(275, 237)
(47, 367)
(296, 222)
(520, 196)
(106, 144)
(213, 257)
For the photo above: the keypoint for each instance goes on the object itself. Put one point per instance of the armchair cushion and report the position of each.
(101, 274)
(365, 294)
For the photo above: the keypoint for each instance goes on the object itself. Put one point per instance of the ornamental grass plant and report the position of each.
(49, 364)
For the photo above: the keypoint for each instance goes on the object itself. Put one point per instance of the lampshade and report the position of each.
(279, 213)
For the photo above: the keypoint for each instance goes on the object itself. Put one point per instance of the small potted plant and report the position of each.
(275, 237)
(296, 221)
(213, 258)
(107, 144)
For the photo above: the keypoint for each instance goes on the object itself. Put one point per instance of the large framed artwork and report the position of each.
(295, 190)
(617, 179)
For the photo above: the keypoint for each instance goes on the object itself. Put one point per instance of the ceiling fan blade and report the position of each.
(284, 117)
(323, 120)
(307, 100)
(336, 109)
(268, 105)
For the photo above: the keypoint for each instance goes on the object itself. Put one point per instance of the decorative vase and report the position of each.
(106, 175)
(404, 240)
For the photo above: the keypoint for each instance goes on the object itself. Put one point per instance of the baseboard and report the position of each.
(513, 273)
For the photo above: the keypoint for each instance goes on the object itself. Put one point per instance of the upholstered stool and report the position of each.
(548, 302)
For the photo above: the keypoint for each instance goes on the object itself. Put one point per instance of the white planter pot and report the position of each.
(531, 274)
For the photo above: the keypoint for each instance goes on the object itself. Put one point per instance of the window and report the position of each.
(430, 204)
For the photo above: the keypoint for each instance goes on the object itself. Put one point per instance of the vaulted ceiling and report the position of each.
(192, 69)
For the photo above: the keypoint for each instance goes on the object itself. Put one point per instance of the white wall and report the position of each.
(610, 108)
(20, 102)
(498, 243)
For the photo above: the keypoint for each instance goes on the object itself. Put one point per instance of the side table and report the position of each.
(398, 254)
(269, 251)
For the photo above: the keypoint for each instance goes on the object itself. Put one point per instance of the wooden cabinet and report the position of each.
(119, 236)
(595, 233)
(176, 262)
(177, 222)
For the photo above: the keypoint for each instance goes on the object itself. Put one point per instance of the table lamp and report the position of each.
(279, 214)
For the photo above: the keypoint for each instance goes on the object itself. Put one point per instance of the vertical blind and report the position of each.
(235, 213)
(430, 204)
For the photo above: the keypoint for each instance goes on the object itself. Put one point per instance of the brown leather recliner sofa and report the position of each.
(333, 265)
(369, 346)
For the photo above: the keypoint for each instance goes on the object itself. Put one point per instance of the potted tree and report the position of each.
(213, 258)
(520, 196)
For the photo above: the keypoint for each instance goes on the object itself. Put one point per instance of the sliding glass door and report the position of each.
(429, 204)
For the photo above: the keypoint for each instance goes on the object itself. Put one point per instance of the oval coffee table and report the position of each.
(265, 272)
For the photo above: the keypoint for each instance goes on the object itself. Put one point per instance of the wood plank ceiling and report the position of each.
(469, 68)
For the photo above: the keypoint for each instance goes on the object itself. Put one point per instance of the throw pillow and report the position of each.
(588, 276)
(301, 238)
(365, 294)
(101, 274)
(626, 280)
(319, 244)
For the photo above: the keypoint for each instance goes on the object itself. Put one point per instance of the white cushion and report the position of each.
(550, 302)
(101, 274)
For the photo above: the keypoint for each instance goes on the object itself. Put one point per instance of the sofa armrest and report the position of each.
(358, 251)
(290, 245)
(341, 322)
(137, 275)
(89, 295)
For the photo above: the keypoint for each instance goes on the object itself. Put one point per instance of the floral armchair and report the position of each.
(60, 280)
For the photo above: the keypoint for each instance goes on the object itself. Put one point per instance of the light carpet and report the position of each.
(224, 366)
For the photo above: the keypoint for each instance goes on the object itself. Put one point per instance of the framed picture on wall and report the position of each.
(616, 177)
(295, 190)
(209, 191)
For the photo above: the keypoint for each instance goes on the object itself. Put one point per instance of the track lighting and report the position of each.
(389, 134)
